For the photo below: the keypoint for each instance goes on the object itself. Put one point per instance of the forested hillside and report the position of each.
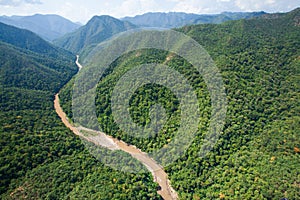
(257, 156)
(40, 157)
(258, 153)
(27, 61)
(98, 29)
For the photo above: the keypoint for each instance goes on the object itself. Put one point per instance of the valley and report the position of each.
(45, 155)
(261, 89)
(101, 139)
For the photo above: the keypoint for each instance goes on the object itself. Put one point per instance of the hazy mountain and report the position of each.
(95, 31)
(48, 27)
(30, 62)
(178, 19)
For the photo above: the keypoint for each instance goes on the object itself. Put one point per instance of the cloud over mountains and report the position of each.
(81, 10)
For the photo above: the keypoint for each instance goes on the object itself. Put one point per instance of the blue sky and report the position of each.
(83, 10)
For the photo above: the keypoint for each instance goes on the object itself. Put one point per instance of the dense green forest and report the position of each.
(40, 157)
(258, 153)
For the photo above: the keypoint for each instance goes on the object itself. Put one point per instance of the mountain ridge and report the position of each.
(97, 29)
(49, 26)
(25, 52)
(179, 19)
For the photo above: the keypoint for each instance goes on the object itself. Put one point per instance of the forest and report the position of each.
(40, 157)
(256, 157)
(257, 154)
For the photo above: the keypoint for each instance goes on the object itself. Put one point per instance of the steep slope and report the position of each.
(29, 40)
(258, 153)
(28, 78)
(28, 49)
(40, 157)
(48, 27)
(16, 65)
(98, 29)
(178, 19)
(257, 156)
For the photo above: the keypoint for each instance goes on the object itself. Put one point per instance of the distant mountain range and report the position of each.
(81, 39)
(48, 27)
(98, 29)
(178, 19)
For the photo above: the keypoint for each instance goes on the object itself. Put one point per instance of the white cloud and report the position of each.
(203, 7)
(83, 10)
(270, 1)
(190, 6)
(217, 6)
(134, 7)
(18, 2)
(33, 1)
(267, 5)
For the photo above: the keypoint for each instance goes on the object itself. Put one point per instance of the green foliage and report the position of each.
(147, 96)
(27, 40)
(29, 62)
(65, 97)
(257, 155)
(30, 71)
(79, 176)
(40, 157)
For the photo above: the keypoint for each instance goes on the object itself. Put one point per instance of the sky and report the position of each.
(82, 10)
